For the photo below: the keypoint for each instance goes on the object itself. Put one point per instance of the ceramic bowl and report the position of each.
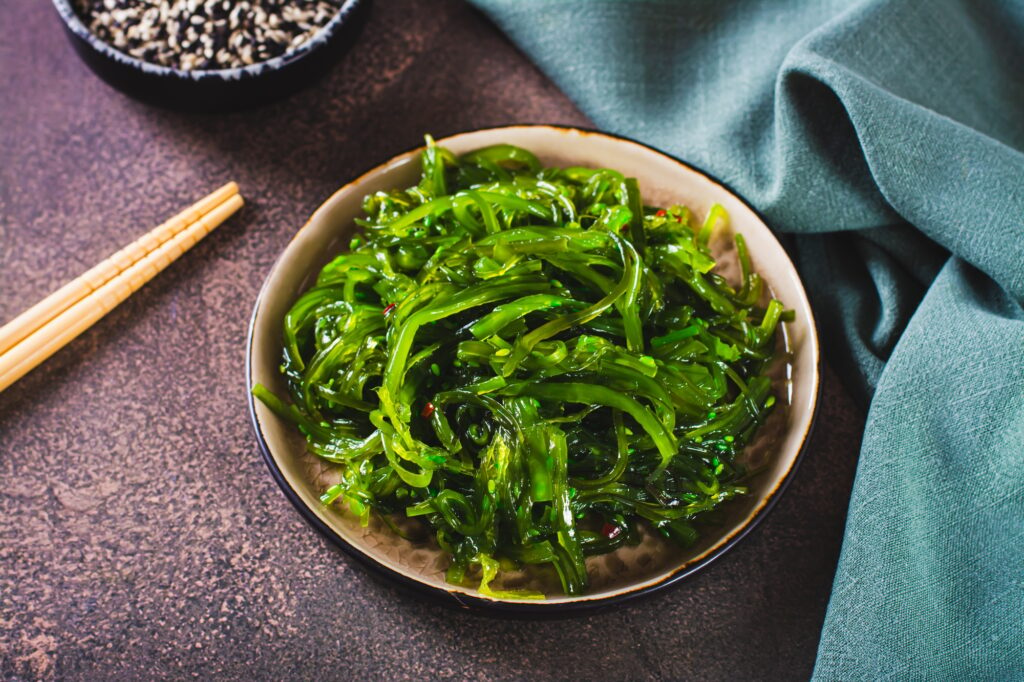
(216, 89)
(630, 571)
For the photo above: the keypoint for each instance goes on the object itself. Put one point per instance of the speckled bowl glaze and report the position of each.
(621, 575)
(216, 89)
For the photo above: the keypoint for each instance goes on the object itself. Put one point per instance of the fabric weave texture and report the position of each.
(884, 139)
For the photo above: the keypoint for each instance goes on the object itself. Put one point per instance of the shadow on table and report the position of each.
(447, 74)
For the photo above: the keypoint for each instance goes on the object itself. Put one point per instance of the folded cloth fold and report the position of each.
(887, 137)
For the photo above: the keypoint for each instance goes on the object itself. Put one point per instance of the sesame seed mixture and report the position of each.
(206, 34)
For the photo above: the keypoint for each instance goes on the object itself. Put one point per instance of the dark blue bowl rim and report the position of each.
(319, 39)
(539, 609)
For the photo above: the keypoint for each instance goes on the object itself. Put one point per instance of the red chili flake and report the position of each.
(661, 213)
(388, 308)
(610, 531)
(428, 410)
(624, 228)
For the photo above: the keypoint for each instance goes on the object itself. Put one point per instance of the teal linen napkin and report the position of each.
(887, 135)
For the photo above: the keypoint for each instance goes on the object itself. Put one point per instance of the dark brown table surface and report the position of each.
(141, 535)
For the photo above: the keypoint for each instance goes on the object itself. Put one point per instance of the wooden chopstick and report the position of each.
(80, 287)
(53, 335)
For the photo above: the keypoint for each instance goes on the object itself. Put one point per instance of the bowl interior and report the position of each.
(663, 180)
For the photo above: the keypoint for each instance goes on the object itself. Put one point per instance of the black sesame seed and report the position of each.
(220, 38)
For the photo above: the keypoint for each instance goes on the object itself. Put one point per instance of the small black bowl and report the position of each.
(216, 89)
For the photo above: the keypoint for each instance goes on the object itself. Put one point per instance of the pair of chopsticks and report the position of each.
(48, 326)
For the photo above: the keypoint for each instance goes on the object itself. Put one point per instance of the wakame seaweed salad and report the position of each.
(531, 361)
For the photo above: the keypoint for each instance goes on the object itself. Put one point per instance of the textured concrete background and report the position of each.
(141, 535)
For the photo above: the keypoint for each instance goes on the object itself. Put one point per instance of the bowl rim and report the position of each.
(523, 609)
(73, 22)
